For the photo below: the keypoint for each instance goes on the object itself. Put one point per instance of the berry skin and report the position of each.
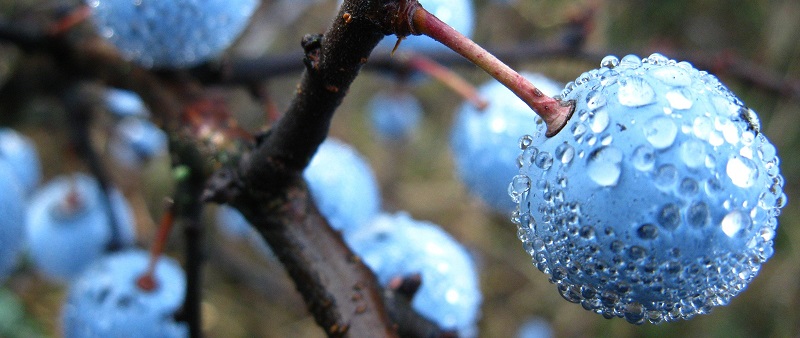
(486, 143)
(398, 246)
(125, 103)
(658, 200)
(395, 115)
(171, 34)
(106, 302)
(137, 140)
(343, 186)
(459, 14)
(67, 225)
(20, 152)
(12, 219)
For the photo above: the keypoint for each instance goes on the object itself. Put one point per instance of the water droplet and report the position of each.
(742, 171)
(635, 92)
(680, 99)
(697, 214)
(647, 231)
(669, 216)
(702, 127)
(595, 100)
(658, 59)
(734, 222)
(544, 160)
(565, 153)
(688, 187)
(672, 76)
(666, 176)
(660, 131)
(519, 185)
(643, 158)
(750, 116)
(587, 232)
(578, 130)
(609, 61)
(525, 141)
(630, 61)
(603, 166)
(715, 138)
(599, 121)
(693, 153)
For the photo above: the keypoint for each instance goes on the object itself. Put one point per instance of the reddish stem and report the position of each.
(449, 78)
(75, 17)
(147, 281)
(555, 113)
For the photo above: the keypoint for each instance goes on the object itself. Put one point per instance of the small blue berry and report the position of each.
(485, 143)
(399, 246)
(343, 186)
(535, 328)
(12, 219)
(68, 226)
(137, 140)
(125, 103)
(171, 34)
(105, 301)
(396, 115)
(20, 152)
(658, 200)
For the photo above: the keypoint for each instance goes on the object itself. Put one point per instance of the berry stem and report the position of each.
(555, 113)
(449, 78)
(147, 281)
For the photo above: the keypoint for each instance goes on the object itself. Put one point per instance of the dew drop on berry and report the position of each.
(595, 100)
(599, 121)
(603, 166)
(688, 187)
(647, 231)
(518, 186)
(734, 222)
(544, 160)
(630, 61)
(525, 141)
(680, 99)
(669, 216)
(697, 214)
(565, 153)
(635, 92)
(693, 153)
(660, 131)
(671, 76)
(644, 158)
(701, 126)
(578, 130)
(742, 171)
(609, 61)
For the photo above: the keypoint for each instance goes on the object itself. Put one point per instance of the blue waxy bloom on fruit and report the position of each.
(12, 219)
(398, 246)
(68, 226)
(125, 103)
(137, 140)
(658, 200)
(105, 300)
(171, 34)
(395, 115)
(343, 186)
(485, 143)
(20, 153)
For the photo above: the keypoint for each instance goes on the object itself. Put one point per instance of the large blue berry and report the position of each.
(20, 153)
(12, 219)
(105, 301)
(171, 34)
(398, 246)
(68, 225)
(395, 115)
(658, 200)
(343, 186)
(485, 142)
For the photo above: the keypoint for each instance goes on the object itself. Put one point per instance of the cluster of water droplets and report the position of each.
(658, 200)
(171, 34)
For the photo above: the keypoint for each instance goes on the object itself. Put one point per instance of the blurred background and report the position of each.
(247, 294)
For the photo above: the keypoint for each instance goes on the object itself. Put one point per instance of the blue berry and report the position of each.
(125, 103)
(485, 143)
(343, 186)
(171, 34)
(535, 328)
(137, 140)
(658, 200)
(399, 246)
(459, 14)
(20, 152)
(395, 115)
(105, 300)
(67, 225)
(12, 219)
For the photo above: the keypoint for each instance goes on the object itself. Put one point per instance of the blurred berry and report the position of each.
(125, 103)
(395, 115)
(137, 140)
(12, 219)
(20, 153)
